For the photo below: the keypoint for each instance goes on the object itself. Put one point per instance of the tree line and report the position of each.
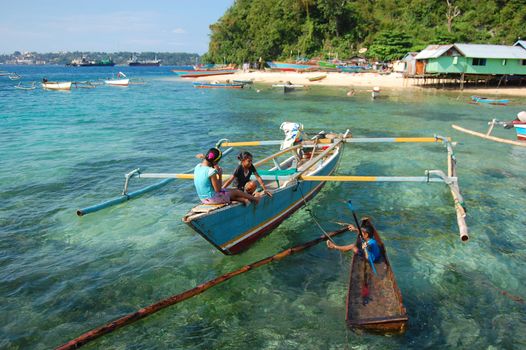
(283, 29)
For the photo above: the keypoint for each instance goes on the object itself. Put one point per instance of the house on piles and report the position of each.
(473, 62)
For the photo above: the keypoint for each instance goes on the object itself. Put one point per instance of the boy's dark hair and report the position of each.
(244, 155)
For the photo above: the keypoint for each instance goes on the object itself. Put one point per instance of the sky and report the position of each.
(108, 25)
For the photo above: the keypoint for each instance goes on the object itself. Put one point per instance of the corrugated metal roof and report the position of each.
(491, 51)
(521, 43)
(476, 51)
(432, 51)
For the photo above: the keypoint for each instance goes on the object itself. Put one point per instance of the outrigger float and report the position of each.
(293, 181)
(519, 126)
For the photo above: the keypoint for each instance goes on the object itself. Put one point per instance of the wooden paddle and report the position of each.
(362, 238)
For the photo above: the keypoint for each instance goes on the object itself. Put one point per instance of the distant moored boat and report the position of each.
(56, 85)
(135, 62)
(121, 80)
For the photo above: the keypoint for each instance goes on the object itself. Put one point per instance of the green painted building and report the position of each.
(473, 59)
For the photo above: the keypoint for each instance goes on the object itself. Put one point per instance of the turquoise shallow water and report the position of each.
(61, 275)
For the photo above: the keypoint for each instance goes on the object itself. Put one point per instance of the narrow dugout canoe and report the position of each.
(384, 311)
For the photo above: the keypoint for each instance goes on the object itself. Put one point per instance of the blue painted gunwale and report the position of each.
(520, 129)
(489, 100)
(234, 228)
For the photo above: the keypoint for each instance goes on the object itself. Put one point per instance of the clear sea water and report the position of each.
(61, 275)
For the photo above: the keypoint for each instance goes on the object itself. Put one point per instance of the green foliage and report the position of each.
(272, 29)
(390, 45)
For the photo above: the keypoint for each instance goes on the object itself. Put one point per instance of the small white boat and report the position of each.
(14, 76)
(288, 86)
(22, 87)
(56, 85)
(121, 80)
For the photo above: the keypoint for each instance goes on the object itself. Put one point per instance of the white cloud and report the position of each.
(178, 31)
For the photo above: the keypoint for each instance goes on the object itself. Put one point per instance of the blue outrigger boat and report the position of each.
(479, 99)
(297, 173)
(217, 85)
(233, 228)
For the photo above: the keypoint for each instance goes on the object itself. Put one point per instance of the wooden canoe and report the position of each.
(384, 311)
(318, 78)
(56, 85)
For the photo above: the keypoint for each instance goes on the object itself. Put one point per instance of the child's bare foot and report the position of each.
(246, 202)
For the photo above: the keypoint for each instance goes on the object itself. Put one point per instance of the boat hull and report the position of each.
(383, 311)
(217, 86)
(478, 99)
(117, 82)
(289, 67)
(57, 85)
(197, 74)
(234, 228)
(520, 129)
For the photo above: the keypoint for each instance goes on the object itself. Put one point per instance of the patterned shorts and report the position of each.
(219, 198)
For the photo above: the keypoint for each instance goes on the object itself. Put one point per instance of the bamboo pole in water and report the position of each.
(489, 137)
(146, 311)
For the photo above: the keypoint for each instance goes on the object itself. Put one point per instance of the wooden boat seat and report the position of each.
(206, 208)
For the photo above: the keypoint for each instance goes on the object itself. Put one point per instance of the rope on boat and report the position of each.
(146, 311)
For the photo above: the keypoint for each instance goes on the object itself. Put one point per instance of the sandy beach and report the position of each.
(354, 81)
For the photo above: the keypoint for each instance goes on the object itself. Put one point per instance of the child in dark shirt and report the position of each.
(243, 172)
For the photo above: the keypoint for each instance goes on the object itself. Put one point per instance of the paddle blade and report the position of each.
(365, 291)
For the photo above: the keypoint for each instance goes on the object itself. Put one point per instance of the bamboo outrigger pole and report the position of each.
(126, 196)
(487, 136)
(225, 143)
(146, 311)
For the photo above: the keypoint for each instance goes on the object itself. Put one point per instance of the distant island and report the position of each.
(79, 58)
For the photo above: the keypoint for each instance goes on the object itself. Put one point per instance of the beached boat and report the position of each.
(121, 80)
(479, 99)
(56, 85)
(205, 73)
(22, 87)
(351, 69)
(217, 85)
(290, 67)
(318, 77)
(374, 301)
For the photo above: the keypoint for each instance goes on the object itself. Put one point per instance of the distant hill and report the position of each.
(281, 29)
(120, 58)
